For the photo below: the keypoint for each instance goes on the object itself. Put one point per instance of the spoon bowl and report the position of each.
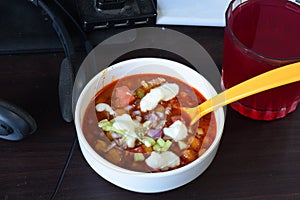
(268, 80)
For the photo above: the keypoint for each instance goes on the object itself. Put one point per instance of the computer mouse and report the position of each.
(15, 123)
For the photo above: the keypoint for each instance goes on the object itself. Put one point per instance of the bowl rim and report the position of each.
(218, 113)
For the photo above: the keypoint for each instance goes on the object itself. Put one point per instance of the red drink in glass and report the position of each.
(261, 35)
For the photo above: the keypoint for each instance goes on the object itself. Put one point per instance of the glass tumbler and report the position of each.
(261, 35)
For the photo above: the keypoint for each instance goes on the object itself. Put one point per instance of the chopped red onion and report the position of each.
(154, 133)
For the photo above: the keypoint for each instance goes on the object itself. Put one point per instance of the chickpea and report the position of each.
(114, 156)
(195, 143)
(100, 146)
(189, 155)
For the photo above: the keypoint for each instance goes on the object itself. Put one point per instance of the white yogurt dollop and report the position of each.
(164, 92)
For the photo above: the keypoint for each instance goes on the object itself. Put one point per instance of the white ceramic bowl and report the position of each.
(140, 181)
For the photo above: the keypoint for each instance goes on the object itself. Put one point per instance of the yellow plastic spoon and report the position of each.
(268, 80)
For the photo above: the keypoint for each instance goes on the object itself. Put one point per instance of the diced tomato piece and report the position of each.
(123, 96)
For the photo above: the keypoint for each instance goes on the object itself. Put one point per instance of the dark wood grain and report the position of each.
(256, 160)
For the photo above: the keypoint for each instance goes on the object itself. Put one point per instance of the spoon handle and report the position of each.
(268, 80)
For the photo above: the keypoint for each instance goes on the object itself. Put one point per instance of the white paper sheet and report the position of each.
(192, 12)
